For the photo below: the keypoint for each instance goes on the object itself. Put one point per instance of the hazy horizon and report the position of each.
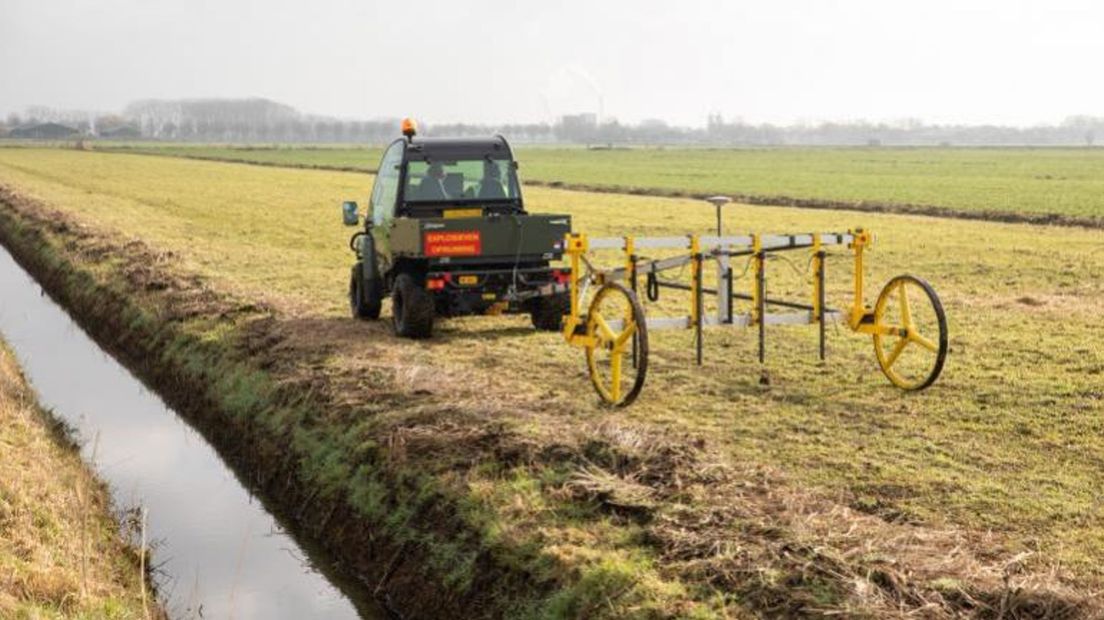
(784, 62)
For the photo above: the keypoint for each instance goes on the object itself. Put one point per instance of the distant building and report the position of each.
(123, 132)
(43, 131)
(577, 127)
(584, 121)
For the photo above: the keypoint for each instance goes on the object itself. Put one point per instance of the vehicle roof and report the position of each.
(453, 148)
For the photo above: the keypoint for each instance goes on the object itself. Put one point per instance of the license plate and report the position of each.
(469, 280)
(458, 213)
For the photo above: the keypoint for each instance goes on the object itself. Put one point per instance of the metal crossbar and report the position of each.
(610, 332)
(696, 250)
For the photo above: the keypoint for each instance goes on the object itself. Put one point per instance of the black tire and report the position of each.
(364, 302)
(548, 312)
(411, 308)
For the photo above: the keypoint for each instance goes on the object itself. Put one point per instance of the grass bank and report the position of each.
(1026, 185)
(62, 553)
(476, 471)
(178, 334)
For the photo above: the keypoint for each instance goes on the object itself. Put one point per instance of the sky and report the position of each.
(1005, 62)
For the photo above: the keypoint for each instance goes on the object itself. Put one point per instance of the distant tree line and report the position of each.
(1073, 131)
(262, 120)
(247, 120)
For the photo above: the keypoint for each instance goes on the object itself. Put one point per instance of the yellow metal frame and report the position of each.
(591, 332)
(575, 246)
(861, 318)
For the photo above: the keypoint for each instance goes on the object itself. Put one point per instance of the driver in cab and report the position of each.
(491, 186)
(432, 186)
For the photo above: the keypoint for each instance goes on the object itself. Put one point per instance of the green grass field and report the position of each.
(1066, 182)
(1000, 457)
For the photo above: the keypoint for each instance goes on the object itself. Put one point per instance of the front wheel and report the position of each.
(411, 308)
(615, 323)
(365, 298)
(548, 312)
(911, 333)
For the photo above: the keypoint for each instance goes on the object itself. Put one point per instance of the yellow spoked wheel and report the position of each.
(911, 333)
(615, 320)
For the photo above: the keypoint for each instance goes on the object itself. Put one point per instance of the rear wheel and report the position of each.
(548, 312)
(913, 347)
(365, 298)
(411, 308)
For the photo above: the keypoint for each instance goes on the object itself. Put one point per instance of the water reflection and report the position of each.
(219, 553)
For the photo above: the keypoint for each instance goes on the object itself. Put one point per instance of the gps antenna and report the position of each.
(718, 202)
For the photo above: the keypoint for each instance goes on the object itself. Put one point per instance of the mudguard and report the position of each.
(367, 252)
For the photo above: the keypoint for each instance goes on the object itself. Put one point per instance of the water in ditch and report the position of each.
(218, 553)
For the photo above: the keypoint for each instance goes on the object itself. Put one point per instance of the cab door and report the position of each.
(382, 204)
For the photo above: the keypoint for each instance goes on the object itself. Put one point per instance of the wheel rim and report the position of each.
(615, 320)
(911, 342)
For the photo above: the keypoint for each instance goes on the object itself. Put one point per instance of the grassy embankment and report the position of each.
(484, 449)
(61, 553)
(1009, 184)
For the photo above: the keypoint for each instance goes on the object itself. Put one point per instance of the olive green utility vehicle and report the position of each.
(447, 234)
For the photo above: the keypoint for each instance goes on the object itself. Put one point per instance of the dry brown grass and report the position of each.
(745, 529)
(61, 554)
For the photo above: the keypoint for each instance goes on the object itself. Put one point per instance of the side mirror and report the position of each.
(349, 213)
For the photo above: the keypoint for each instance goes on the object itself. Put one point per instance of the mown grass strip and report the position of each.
(1038, 186)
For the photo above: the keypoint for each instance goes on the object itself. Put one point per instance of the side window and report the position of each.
(387, 185)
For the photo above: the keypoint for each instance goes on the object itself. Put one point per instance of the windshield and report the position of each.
(464, 180)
